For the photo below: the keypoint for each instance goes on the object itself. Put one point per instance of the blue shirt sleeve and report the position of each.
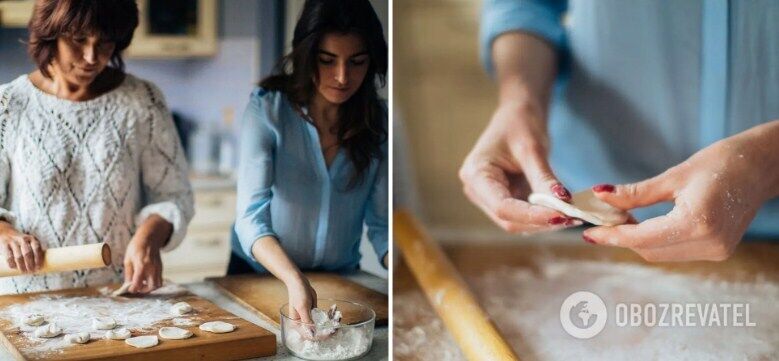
(255, 175)
(540, 17)
(377, 213)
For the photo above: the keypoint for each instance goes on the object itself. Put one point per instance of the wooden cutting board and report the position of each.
(247, 341)
(265, 294)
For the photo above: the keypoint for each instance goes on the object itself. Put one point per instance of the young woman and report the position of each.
(88, 153)
(313, 158)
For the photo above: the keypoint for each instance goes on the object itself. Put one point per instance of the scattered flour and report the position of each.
(331, 341)
(74, 315)
(525, 304)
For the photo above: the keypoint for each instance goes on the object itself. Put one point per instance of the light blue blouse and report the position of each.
(644, 84)
(286, 190)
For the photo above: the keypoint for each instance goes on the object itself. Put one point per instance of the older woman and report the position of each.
(88, 153)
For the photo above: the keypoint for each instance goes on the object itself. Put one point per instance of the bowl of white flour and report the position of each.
(341, 330)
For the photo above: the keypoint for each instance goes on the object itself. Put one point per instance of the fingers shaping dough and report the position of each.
(585, 206)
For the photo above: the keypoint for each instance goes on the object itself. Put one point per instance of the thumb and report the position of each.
(539, 174)
(634, 195)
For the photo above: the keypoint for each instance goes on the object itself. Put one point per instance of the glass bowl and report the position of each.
(351, 339)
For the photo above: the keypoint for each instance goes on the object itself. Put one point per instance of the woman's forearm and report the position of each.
(269, 253)
(764, 138)
(525, 68)
(155, 230)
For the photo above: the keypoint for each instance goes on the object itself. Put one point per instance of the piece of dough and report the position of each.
(81, 337)
(217, 327)
(48, 331)
(118, 334)
(103, 323)
(585, 206)
(143, 341)
(180, 308)
(174, 333)
(121, 290)
(33, 319)
(182, 321)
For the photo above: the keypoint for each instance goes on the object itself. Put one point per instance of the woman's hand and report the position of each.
(716, 194)
(142, 262)
(508, 162)
(302, 298)
(22, 251)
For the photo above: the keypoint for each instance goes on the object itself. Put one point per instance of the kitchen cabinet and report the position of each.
(167, 28)
(205, 251)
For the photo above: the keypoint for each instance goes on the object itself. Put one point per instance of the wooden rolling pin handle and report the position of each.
(449, 295)
(64, 259)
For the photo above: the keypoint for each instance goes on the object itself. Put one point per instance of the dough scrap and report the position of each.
(121, 290)
(118, 334)
(48, 331)
(103, 323)
(174, 333)
(181, 308)
(585, 206)
(143, 341)
(80, 337)
(33, 319)
(217, 327)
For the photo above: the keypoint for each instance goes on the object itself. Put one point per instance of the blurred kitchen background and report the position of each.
(206, 56)
(443, 99)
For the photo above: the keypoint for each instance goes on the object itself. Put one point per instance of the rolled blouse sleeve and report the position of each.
(164, 173)
(377, 211)
(255, 174)
(540, 17)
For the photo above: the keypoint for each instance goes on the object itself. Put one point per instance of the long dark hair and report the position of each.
(361, 127)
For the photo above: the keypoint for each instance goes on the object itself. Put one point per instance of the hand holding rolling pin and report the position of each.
(22, 251)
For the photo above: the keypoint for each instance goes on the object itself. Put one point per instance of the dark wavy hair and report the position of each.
(113, 20)
(361, 128)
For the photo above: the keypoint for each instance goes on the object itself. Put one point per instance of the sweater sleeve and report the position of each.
(540, 17)
(164, 173)
(255, 175)
(5, 165)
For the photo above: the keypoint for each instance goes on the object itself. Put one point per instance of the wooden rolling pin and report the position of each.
(67, 259)
(471, 327)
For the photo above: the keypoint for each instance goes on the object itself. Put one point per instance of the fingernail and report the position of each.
(603, 188)
(558, 220)
(561, 192)
(588, 239)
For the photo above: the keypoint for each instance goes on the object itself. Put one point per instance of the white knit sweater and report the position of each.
(75, 173)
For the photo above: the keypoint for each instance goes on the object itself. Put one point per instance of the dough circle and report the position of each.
(143, 341)
(118, 334)
(103, 323)
(80, 337)
(585, 206)
(174, 333)
(180, 308)
(48, 331)
(217, 327)
(33, 319)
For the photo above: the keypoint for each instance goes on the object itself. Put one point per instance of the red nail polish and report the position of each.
(588, 239)
(561, 192)
(603, 188)
(557, 220)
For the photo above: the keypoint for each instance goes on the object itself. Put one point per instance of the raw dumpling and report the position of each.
(180, 308)
(48, 331)
(174, 333)
(81, 337)
(585, 206)
(103, 323)
(33, 319)
(118, 334)
(217, 327)
(142, 341)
